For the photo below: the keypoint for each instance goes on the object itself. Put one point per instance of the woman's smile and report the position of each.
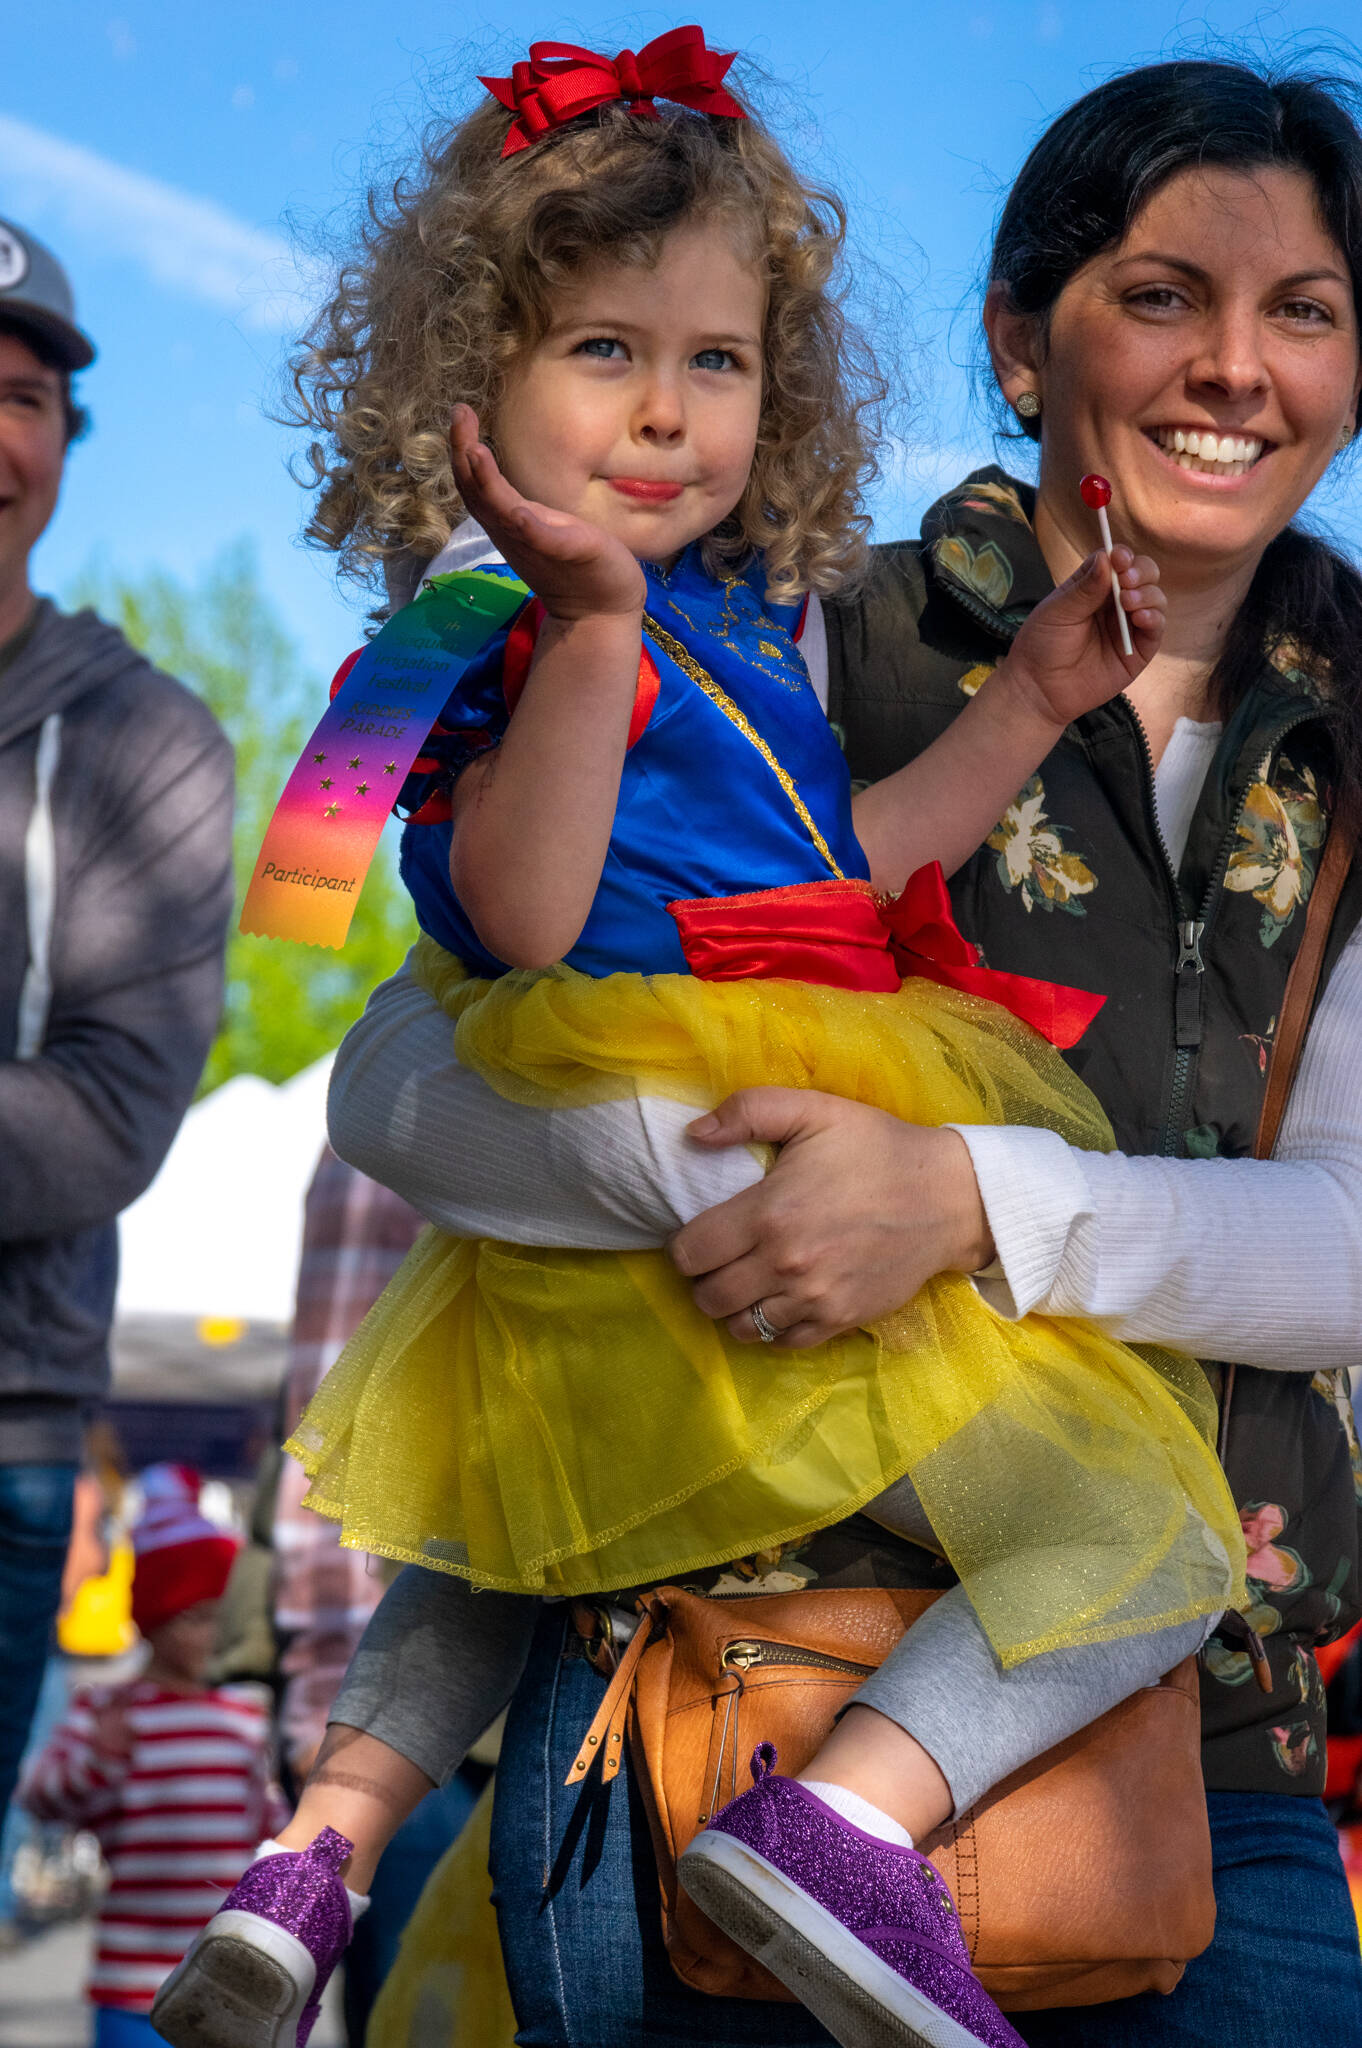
(1203, 452)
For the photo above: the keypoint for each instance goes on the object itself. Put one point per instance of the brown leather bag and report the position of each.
(1084, 1877)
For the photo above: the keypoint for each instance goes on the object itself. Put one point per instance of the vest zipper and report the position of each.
(1189, 967)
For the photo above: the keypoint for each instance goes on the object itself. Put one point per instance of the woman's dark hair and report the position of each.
(1080, 189)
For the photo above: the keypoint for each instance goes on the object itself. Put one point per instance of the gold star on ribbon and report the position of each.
(390, 767)
(361, 789)
(326, 781)
(319, 758)
(331, 810)
(355, 762)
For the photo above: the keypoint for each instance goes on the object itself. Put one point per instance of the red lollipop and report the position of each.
(1095, 492)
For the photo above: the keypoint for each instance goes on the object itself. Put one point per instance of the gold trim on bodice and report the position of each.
(689, 666)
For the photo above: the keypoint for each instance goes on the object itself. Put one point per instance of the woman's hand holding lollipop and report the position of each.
(1096, 632)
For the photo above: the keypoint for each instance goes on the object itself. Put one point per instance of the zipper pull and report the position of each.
(1190, 968)
(1262, 1670)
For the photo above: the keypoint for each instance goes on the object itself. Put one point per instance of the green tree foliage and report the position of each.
(286, 1004)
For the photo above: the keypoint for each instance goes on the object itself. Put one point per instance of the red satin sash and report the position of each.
(840, 934)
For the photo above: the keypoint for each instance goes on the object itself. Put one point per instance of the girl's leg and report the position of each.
(939, 1724)
(819, 1877)
(435, 1666)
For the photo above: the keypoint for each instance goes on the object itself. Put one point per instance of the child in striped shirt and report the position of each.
(172, 1775)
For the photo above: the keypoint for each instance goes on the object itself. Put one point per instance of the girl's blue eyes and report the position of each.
(604, 349)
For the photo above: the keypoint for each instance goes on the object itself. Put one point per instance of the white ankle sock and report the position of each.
(359, 1901)
(869, 1819)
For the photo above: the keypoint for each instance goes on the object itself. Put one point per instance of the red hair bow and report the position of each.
(561, 81)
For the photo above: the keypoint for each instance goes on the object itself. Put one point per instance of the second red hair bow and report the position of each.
(561, 81)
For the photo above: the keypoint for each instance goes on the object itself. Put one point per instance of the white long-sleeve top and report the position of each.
(1255, 1260)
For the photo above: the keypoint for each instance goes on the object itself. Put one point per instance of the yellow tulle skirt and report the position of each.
(566, 1422)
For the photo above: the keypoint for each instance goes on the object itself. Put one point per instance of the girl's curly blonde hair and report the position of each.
(453, 280)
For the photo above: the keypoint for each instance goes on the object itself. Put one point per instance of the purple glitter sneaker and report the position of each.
(863, 1933)
(255, 1976)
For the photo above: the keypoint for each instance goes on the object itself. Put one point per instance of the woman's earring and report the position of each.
(1026, 405)
(1345, 435)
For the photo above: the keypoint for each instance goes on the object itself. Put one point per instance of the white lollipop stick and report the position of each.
(1127, 646)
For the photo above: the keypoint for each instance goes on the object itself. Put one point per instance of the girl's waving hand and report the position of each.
(575, 569)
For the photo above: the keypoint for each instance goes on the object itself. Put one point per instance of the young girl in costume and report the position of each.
(638, 867)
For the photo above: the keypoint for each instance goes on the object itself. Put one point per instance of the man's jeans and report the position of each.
(576, 1889)
(35, 1528)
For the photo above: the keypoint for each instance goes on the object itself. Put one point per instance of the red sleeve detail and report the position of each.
(520, 645)
(343, 671)
(645, 697)
(798, 633)
(436, 810)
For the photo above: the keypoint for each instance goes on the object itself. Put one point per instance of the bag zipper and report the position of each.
(742, 1656)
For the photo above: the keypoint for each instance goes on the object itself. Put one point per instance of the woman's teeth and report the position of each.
(1212, 454)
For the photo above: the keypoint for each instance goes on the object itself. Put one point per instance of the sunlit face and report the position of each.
(1206, 365)
(640, 407)
(32, 450)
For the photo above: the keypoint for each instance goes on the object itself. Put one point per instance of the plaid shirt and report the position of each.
(355, 1236)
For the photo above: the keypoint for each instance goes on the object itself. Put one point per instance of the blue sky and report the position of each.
(175, 155)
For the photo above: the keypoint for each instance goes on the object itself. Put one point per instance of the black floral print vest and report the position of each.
(1075, 884)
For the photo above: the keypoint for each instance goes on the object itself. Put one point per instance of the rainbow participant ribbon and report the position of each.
(327, 824)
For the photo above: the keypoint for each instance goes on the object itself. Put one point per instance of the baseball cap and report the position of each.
(35, 292)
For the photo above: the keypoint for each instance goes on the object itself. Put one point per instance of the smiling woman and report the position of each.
(1195, 303)
(1181, 256)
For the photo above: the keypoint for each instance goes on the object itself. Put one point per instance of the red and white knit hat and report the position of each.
(180, 1558)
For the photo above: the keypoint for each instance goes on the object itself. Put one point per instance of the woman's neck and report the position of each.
(1201, 609)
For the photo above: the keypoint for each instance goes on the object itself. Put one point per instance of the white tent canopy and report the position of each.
(217, 1233)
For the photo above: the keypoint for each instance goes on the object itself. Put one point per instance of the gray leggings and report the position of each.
(438, 1662)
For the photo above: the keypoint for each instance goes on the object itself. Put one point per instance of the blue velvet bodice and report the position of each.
(702, 811)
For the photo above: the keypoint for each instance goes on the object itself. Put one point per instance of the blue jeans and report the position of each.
(576, 1891)
(117, 2029)
(1285, 1965)
(403, 1868)
(35, 1528)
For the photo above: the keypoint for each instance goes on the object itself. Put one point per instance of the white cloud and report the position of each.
(187, 244)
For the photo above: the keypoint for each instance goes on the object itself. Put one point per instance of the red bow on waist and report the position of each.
(561, 81)
(842, 935)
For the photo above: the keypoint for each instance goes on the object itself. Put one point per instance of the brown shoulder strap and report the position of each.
(1301, 984)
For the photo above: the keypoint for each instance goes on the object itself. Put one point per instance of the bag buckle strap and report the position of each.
(605, 1737)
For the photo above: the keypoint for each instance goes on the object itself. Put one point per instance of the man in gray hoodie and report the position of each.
(115, 889)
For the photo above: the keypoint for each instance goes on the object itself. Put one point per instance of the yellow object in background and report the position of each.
(98, 1622)
(447, 1988)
